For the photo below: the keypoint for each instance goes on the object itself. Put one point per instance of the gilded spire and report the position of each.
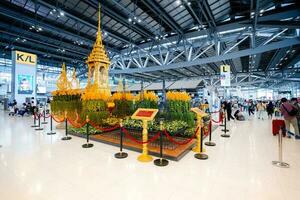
(99, 24)
(98, 53)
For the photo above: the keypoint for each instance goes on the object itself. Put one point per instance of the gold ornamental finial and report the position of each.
(74, 82)
(99, 21)
(62, 82)
(98, 53)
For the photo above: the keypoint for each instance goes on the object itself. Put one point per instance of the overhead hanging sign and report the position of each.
(225, 75)
(25, 58)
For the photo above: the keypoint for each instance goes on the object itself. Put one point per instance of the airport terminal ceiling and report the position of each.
(154, 40)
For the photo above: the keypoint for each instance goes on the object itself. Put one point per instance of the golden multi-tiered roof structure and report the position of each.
(62, 83)
(98, 66)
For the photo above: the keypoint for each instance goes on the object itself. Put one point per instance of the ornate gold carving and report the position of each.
(98, 66)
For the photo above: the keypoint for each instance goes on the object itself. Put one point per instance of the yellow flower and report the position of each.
(110, 104)
(151, 96)
(178, 96)
(120, 95)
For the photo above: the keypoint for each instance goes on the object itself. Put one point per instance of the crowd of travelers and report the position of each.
(288, 109)
(24, 109)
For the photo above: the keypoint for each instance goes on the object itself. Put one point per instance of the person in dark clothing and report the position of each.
(251, 108)
(229, 111)
(270, 109)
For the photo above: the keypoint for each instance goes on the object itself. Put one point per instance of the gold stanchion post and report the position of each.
(145, 157)
(197, 148)
(145, 114)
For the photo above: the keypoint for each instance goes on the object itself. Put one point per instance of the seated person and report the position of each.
(239, 115)
(11, 110)
(21, 112)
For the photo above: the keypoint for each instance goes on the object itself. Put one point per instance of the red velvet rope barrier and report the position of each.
(76, 125)
(36, 116)
(220, 119)
(57, 120)
(180, 143)
(217, 121)
(155, 137)
(208, 130)
(42, 115)
(103, 129)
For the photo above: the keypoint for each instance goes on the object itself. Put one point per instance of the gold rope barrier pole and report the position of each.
(145, 157)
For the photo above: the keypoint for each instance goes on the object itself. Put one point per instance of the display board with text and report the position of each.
(23, 76)
(225, 75)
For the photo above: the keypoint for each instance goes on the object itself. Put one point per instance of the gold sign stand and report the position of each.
(200, 114)
(145, 115)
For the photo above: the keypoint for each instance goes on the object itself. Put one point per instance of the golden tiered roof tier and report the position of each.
(98, 66)
(98, 53)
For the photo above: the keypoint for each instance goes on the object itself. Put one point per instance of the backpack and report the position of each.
(292, 112)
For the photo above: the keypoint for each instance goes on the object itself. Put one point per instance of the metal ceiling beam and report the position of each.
(276, 57)
(208, 10)
(18, 32)
(88, 22)
(137, 28)
(213, 59)
(41, 60)
(257, 74)
(278, 24)
(30, 50)
(119, 18)
(38, 45)
(287, 12)
(291, 62)
(159, 11)
(15, 13)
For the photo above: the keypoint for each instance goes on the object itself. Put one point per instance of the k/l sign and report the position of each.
(25, 58)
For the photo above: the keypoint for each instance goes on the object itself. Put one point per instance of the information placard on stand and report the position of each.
(144, 114)
(199, 112)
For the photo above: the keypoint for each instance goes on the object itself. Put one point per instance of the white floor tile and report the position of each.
(36, 166)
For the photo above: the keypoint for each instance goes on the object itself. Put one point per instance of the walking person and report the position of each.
(260, 107)
(229, 111)
(251, 108)
(289, 112)
(270, 110)
(245, 106)
(295, 102)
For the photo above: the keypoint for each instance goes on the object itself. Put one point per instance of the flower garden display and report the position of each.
(147, 99)
(66, 99)
(124, 104)
(178, 107)
(103, 109)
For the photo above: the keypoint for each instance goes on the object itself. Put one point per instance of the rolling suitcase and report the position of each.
(276, 124)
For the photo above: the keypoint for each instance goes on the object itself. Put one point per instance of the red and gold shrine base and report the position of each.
(144, 114)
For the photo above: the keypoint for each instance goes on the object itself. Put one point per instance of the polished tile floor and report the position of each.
(35, 166)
